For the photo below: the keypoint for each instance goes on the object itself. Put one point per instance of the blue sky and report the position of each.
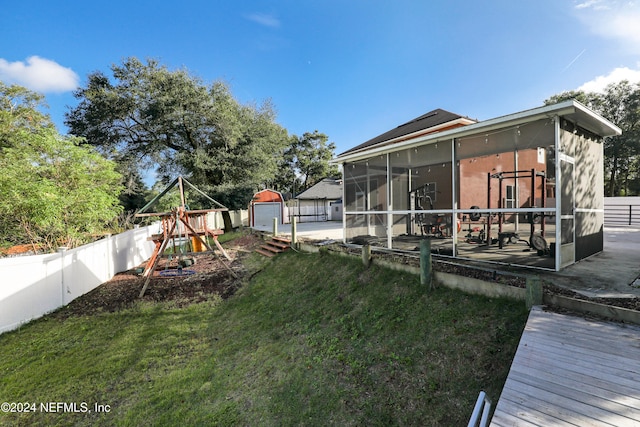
(351, 69)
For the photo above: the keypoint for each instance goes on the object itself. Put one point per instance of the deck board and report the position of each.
(540, 351)
(571, 371)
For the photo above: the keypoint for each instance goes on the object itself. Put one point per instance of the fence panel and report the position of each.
(32, 286)
(622, 211)
(238, 218)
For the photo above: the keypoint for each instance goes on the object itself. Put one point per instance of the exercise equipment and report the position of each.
(475, 216)
(532, 218)
(437, 225)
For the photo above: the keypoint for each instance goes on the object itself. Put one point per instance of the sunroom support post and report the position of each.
(454, 196)
(344, 204)
(409, 205)
(389, 203)
(516, 186)
(556, 121)
(367, 206)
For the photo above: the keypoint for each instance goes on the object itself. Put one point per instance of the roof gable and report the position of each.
(328, 188)
(267, 195)
(430, 122)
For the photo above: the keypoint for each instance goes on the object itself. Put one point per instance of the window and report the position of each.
(510, 200)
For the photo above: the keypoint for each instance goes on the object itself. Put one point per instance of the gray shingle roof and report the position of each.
(425, 121)
(328, 188)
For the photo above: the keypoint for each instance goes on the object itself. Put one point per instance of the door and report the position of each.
(567, 210)
(263, 214)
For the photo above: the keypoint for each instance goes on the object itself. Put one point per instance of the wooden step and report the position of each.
(278, 244)
(270, 248)
(274, 246)
(284, 240)
(265, 253)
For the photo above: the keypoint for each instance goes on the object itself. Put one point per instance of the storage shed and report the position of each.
(523, 189)
(266, 205)
(314, 204)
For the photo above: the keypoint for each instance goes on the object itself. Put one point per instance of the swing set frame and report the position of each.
(193, 224)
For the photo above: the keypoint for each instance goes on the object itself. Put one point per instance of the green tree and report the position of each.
(579, 95)
(305, 162)
(53, 190)
(134, 193)
(19, 111)
(620, 103)
(172, 121)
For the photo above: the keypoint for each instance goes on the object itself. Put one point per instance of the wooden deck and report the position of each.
(569, 371)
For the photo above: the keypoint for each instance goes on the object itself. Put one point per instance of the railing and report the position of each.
(622, 214)
(480, 415)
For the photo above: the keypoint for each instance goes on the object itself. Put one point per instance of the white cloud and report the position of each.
(39, 74)
(593, 4)
(617, 75)
(614, 19)
(264, 19)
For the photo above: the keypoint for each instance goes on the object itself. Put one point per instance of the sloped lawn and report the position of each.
(305, 340)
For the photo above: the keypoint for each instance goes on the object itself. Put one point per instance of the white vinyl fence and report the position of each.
(238, 219)
(32, 286)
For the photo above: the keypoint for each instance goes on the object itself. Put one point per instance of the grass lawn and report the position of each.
(308, 340)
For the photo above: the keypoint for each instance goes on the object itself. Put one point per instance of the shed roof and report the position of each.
(328, 188)
(266, 196)
(432, 121)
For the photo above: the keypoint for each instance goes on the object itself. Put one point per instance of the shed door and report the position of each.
(265, 212)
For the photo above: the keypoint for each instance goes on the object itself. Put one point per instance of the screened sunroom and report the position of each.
(524, 189)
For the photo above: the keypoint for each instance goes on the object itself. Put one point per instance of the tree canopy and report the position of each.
(19, 112)
(620, 103)
(150, 116)
(53, 189)
(305, 162)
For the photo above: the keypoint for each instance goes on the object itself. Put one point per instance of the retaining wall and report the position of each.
(498, 290)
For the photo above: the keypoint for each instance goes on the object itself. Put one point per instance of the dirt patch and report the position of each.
(21, 250)
(209, 276)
